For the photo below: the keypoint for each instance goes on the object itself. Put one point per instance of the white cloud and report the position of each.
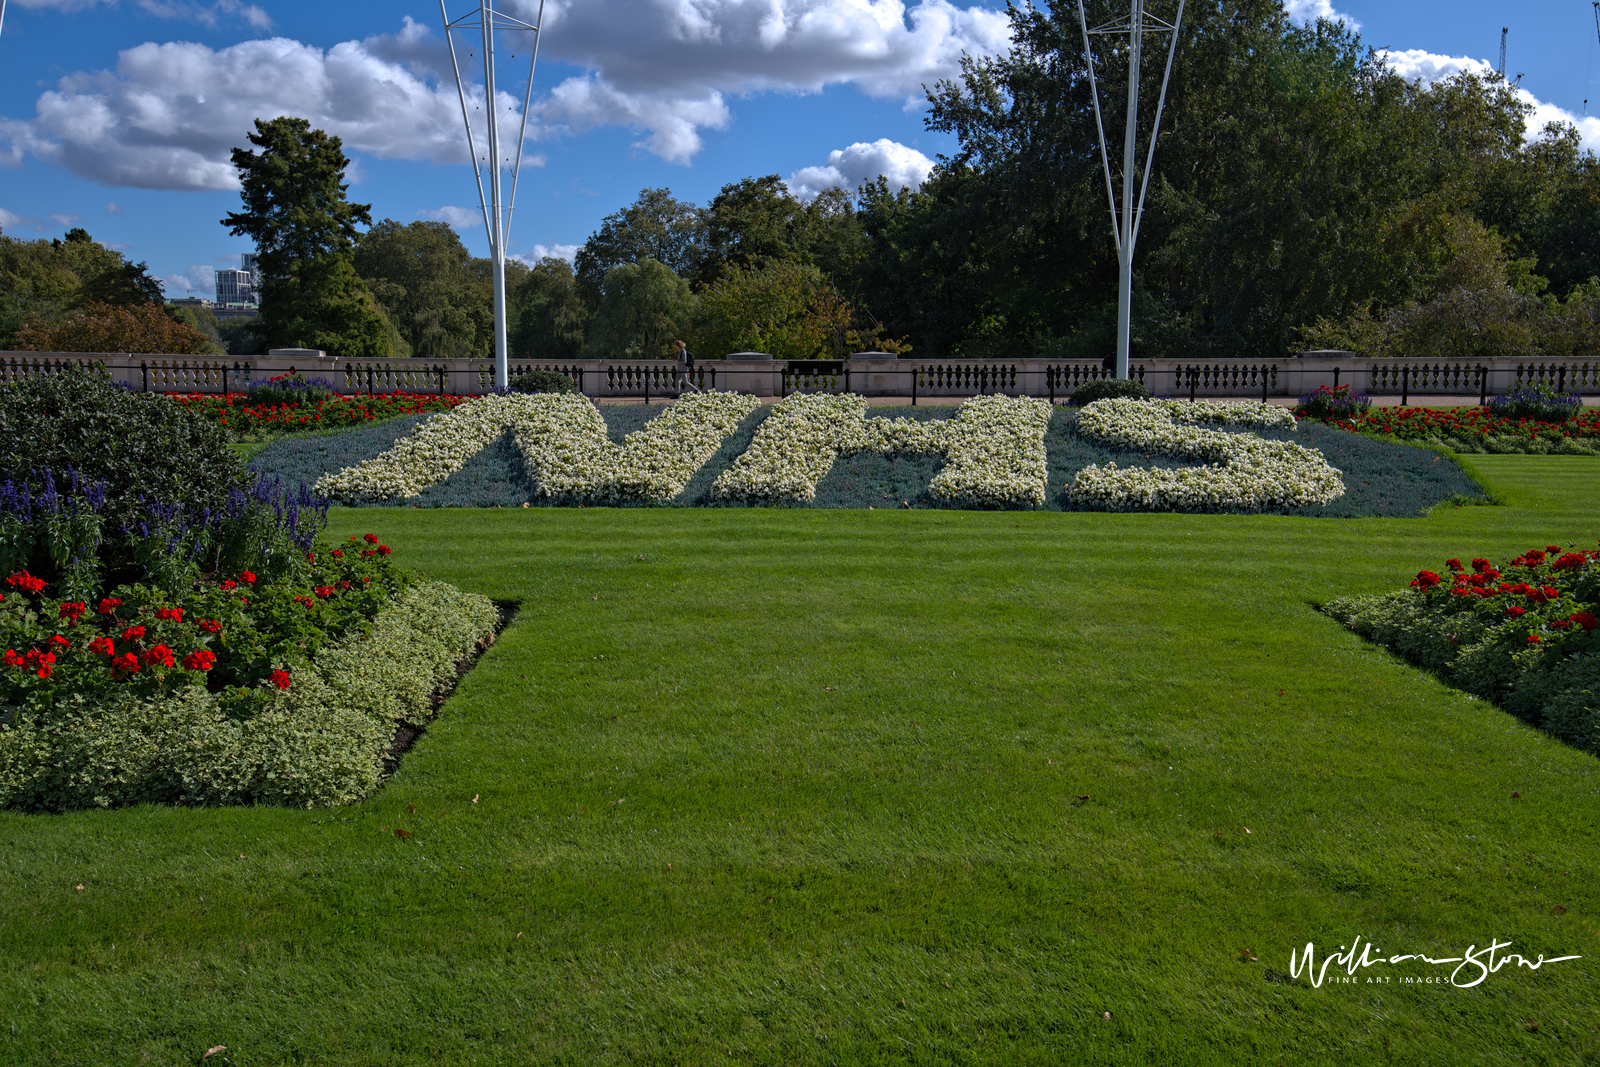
(170, 9)
(168, 114)
(10, 220)
(1312, 10)
(198, 279)
(66, 218)
(532, 258)
(1418, 65)
(862, 163)
(459, 218)
(113, 209)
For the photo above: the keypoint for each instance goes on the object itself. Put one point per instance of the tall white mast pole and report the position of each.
(1125, 246)
(497, 214)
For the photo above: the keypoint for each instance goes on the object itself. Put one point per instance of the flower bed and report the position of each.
(247, 420)
(1524, 634)
(994, 450)
(310, 737)
(563, 442)
(1243, 471)
(1480, 430)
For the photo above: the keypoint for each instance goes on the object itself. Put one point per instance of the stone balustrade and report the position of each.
(869, 374)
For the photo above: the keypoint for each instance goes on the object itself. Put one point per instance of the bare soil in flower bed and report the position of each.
(1382, 478)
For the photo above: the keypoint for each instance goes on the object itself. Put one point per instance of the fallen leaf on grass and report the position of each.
(79, 887)
(1557, 909)
(1247, 956)
(1247, 829)
(1105, 1015)
(1532, 1028)
(213, 1050)
(412, 808)
(402, 833)
(1516, 796)
(1080, 801)
(827, 689)
(474, 798)
(519, 936)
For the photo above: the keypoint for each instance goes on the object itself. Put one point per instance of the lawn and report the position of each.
(912, 787)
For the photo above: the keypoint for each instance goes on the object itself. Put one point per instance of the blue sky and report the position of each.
(117, 115)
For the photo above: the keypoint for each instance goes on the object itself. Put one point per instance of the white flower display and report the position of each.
(993, 449)
(563, 441)
(1242, 471)
(438, 448)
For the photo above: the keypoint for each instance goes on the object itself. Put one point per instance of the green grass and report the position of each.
(802, 786)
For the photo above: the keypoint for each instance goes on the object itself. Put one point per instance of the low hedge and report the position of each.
(319, 743)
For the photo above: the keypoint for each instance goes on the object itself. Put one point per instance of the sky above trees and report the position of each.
(119, 115)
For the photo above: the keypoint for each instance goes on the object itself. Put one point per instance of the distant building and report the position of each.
(237, 287)
(191, 302)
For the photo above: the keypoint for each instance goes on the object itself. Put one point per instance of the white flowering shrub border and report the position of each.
(563, 441)
(436, 450)
(993, 448)
(1242, 471)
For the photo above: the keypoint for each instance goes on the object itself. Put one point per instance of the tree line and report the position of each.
(1304, 196)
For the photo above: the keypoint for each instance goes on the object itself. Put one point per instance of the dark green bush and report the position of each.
(137, 444)
(543, 381)
(1108, 389)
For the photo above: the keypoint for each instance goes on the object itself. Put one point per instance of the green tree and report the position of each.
(47, 280)
(305, 231)
(422, 276)
(655, 226)
(643, 307)
(786, 309)
(551, 317)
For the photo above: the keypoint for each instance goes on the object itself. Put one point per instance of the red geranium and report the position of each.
(128, 663)
(71, 610)
(24, 580)
(133, 633)
(102, 645)
(108, 606)
(280, 678)
(1425, 580)
(199, 661)
(1585, 620)
(158, 654)
(247, 576)
(174, 614)
(210, 626)
(1514, 611)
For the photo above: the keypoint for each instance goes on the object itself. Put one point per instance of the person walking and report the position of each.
(685, 367)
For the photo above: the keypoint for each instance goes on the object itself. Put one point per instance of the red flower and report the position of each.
(199, 661)
(102, 645)
(1560, 624)
(323, 590)
(127, 663)
(247, 576)
(1514, 611)
(1482, 565)
(1425, 580)
(1533, 639)
(338, 554)
(1585, 620)
(370, 539)
(305, 601)
(175, 614)
(1552, 549)
(311, 557)
(1454, 564)
(280, 679)
(133, 633)
(59, 640)
(11, 658)
(230, 584)
(384, 550)
(159, 654)
(1570, 561)
(24, 580)
(210, 626)
(71, 610)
